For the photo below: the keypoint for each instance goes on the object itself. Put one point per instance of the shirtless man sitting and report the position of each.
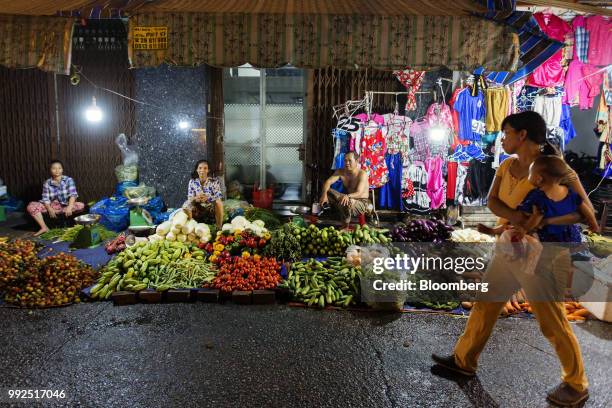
(355, 181)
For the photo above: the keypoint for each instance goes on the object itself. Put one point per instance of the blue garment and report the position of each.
(550, 208)
(338, 186)
(566, 123)
(470, 108)
(341, 146)
(391, 193)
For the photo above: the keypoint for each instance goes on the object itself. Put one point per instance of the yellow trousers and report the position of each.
(542, 291)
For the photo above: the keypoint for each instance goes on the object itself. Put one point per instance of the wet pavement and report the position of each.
(188, 355)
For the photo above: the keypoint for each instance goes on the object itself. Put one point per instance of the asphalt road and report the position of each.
(188, 355)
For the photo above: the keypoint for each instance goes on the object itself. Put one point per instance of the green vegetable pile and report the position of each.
(270, 219)
(332, 242)
(69, 234)
(284, 245)
(160, 264)
(332, 282)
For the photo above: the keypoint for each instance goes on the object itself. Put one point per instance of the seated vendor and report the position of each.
(355, 181)
(204, 196)
(59, 196)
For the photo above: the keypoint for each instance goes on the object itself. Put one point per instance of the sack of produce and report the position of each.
(126, 173)
(114, 212)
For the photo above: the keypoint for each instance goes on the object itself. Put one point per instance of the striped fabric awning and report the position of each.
(36, 42)
(315, 41)
(535, 46)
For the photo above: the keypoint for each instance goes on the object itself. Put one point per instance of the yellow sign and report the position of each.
(150, 38)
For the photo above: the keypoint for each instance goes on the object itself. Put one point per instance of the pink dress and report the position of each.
(581, 89)
(600, 40)
(435, 183)
(551, 72)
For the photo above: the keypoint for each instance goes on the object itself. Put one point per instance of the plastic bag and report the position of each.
(388, 300)
(520, 255)
(138, 191)
(126, 173)
(120, 188)
(129, 157)
(11, 204)
(234, 208)
(114, 212)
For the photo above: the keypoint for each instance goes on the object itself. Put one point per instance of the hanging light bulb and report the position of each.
(183, 124)
(437, 133)
(93, 113)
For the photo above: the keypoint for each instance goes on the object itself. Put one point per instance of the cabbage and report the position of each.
(163, 228)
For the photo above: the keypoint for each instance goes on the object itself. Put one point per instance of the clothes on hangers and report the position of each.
(550, 73)
(391, 193)
(604, 131)
(435, 183)
(515, 92)
(462, 170)
(355, 143)
(566, 123)
(479, 179)
(499, 154)
(374, 117)
(419, 203)
(600, 40)
(549, 107)
(373, 148)
(581, 39)
(412, 80)
(496, 100)
(607, 86)
(451, 179)
(420, 141)
(556, 137)
(471, 111)
(341, 146)
(439, 114)
(577, 88)
(398, 134)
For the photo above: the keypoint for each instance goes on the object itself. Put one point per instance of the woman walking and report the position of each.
(524, 136)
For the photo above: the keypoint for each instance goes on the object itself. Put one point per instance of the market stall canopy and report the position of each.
(364, 7)
(346, 41)
(36, 42)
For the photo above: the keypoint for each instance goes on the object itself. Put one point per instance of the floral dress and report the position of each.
(373, 148)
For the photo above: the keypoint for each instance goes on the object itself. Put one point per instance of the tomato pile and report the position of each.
(32, 282)
(246, 273)
(238, 243)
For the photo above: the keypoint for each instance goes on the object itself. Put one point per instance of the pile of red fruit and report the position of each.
(239, 273)
(116, 245)
(227, 244)
(32, 282)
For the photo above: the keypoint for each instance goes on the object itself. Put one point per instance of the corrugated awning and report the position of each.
(36, 42)
(84, 8)
(363, 7)
(316, 41)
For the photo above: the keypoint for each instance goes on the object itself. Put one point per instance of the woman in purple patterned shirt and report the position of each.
(204, 196)
(58, 197)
